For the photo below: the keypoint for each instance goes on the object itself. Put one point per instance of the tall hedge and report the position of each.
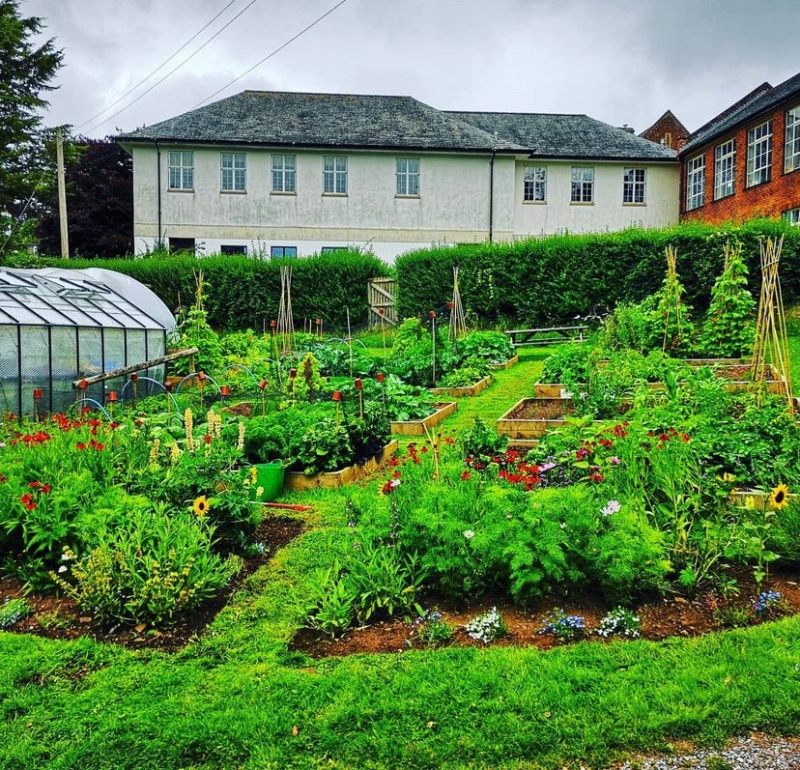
(552, 280)
(245, 292)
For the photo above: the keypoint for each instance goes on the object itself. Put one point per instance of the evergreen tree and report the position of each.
(26, 70)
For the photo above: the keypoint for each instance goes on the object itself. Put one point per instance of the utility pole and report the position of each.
(62, 196)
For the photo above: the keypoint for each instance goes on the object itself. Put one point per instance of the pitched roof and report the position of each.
(668, 116)
(279, 118)
(759, 101)
(319, 120)
(567, 136)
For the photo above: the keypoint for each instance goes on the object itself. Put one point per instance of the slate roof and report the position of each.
(277, 118)
(567, 136)
(320, 120)
(760, 101)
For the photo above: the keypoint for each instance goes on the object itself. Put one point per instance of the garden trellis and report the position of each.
(57, 326)
(771, 342)
(285, 317)
(458, 321)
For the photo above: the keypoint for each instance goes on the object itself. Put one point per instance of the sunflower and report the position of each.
(200, 506)
(779, 497)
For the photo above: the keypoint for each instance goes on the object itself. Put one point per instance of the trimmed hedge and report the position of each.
(245, 292)
(552, 280)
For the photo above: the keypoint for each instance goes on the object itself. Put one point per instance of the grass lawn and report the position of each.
(240, 698)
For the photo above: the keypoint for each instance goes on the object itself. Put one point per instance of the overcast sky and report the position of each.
(620, 61)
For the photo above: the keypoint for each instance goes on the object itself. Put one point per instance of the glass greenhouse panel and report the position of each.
(9, 370)
(64, 357)
(35, 363)
(90, 361)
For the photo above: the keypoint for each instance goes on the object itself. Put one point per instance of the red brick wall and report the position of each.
(769, 199)
(667, 124)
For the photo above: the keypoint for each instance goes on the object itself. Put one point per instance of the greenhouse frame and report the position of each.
(58, 326)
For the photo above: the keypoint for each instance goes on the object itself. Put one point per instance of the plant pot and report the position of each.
(270, 477)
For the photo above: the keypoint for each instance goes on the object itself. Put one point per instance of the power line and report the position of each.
(175, 69)
(160, 66)
(269, 56)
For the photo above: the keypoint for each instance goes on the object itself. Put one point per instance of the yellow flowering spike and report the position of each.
(253, 474)
(259, 492)
(153, 459)
(240, 442)
(174, 453)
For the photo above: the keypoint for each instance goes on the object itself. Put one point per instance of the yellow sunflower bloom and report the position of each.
(779, 497)
(201, 506)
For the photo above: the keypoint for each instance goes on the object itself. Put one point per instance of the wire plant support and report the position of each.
(771, 344)
(458, 321)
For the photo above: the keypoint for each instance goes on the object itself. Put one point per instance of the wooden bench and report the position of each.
(547, 335)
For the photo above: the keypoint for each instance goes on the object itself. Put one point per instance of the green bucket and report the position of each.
(269, 476)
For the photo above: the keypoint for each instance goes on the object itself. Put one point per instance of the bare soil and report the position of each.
(671, 617)
(543, 409)
(59, 618)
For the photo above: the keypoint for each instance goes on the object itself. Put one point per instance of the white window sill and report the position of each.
(411, 197)
(581, 203)
(534, 203)
(334, 195)
(635, 205)
(284, 193)
(233, 192)
(180, 189)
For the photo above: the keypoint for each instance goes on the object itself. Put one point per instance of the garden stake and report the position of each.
(349, 341)
(37, 394)
(383, 330)
(337, 397)
(134, 380)
(360, 388)
(432, 314)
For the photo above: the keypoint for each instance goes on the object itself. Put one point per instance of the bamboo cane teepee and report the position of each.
(285, 328)
(771, 343)
(458, 321)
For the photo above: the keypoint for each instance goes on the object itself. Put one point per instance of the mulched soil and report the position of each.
(543, 409)
(60, 618)
(661, 619)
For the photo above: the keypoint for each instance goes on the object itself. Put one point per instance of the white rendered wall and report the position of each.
(607, 212)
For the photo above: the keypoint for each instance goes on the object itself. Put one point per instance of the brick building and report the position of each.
(667, 131)
(746, 161)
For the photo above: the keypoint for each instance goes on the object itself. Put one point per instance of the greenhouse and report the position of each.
(58, 326)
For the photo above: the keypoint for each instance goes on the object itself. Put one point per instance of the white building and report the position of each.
(289, 174)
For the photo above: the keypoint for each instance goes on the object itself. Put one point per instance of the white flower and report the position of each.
(469, 534)
(63, 568)
(613, 506)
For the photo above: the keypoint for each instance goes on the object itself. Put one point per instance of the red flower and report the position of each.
(35, 484)
(207, 438)
(466, 475)
(80, 445)
(45, 488)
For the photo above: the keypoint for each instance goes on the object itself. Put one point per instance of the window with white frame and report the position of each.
(534, 184)
(759, 154)
(407, 176)
(334, 174)
(792, 216)
(696, 182)
(634, 185)
(278, 252)
(284, 174)
(791, 154)
(181, 170)
(582, 184)
(724, 169)
(232, 171)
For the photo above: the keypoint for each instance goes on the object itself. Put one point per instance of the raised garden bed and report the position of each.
(468, 390)
(532, 417)
(418, 427)
(332, 479)
(506, 364)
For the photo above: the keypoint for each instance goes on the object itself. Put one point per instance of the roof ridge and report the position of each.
(747, 99)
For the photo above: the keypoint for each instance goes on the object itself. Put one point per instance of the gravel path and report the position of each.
(757, 752)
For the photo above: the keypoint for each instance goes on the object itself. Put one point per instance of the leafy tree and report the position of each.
(99, 177)
(25, 72)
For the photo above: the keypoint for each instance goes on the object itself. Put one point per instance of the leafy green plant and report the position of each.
(566, 628)
(620, 622)
(488, 627)
(432, 630)
(14, 610)
(481, 441)
(193, 331)
(729, 326)
(323, 447)
(493, 347)
(326, 603)
(150, 569)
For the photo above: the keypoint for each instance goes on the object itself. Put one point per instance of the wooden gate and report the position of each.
(380, 295)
